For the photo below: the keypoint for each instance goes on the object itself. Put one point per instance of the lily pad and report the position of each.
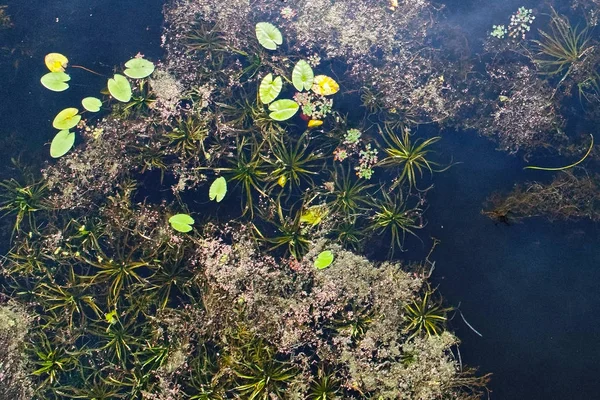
(283, 109)
(92, 104)
(324, 259)
(269, 88)
(56, 62)
(218, 189)
(120, 88)
(181, 222)
(268, 35)
(302, 76)
(325, 85)
(62, 143)
(138, 68)
(67, 118)
(56, 81)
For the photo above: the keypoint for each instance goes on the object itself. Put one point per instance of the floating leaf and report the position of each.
(120, 88)
(269, 88)
(62, 143)
(56, 81)
(302, 76)
(181, 222)
(92, 104)
(56, 62)
(313, 215)
(325, 85)
(138, 68)
(313, 123)
(268, 35)
(218, 189)
(67, 118)
(324, 259)
(283, 109)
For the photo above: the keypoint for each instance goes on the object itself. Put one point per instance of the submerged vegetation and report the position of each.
(194, 242)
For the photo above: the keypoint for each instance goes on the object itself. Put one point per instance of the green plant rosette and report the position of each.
(63, 142)
(282, 110)
(269, 88)
(268, 35)
(119, 88)
(66, 119)
(56, 81)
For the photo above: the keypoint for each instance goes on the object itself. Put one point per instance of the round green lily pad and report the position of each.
(92, 104)
(55, 81)
(120, 88)
(138, 68)
(62, 143)
(181, 222)
(324, 259)
(67, 118)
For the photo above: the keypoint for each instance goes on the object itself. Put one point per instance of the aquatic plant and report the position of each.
(218, 189)
(393, 217)
(520, 23)
(268, 35)
(52, 361)
(119, 88)
(207, 39)
(269, 88)
(292, 233)
(349, 196)
(411, 157)
(119, 341)
(348, 233)
(142, 99)
(62, 143)
(23, 201)
(249, 172)
(324, 259)
(282, 110)
(355, 320)
(563, 48)
(292, 164)
(188, 136)
(151, 156)
(425, 316)
(70, 300)
(260, 374)
(325, 386)
(181, 222)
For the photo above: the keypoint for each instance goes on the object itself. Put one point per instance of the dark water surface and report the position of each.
(531, 289)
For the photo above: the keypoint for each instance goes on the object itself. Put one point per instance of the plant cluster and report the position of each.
(139, 291)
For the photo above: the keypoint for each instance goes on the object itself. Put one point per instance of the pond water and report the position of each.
(530, 289)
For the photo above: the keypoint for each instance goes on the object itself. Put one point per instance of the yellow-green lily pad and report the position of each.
(119, 88)
(67, 118)
(62, 143)
(181, 222)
